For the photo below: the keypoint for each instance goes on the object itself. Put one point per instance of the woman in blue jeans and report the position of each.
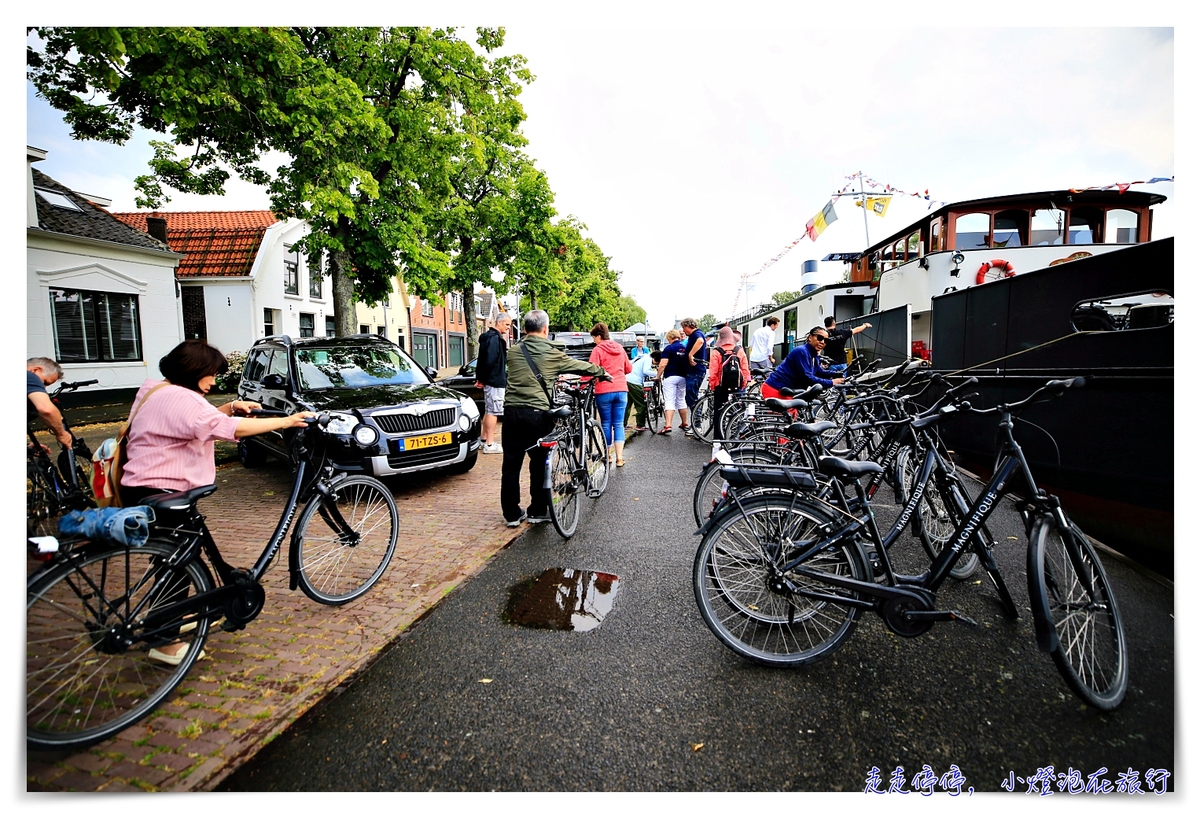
(611, 396)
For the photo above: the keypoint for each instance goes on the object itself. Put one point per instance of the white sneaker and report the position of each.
(492, 448)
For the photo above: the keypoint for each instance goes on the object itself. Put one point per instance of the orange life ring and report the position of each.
(1005, 268)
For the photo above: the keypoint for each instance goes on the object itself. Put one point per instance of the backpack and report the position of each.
(731, 369)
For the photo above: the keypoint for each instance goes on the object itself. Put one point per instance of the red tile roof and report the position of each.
(214, 243)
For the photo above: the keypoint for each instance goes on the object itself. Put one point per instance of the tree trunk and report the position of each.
(468, 297)
(340, 271)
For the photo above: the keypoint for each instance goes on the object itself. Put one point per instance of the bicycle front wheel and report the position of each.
(596, 459)
(41, 505)
(1069, 591)
(344, 542)
(565, 489)
(89, 626)
(654, 409)
(702, 417)
(736, 582)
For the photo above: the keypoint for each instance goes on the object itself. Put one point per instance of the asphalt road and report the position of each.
(651, 701)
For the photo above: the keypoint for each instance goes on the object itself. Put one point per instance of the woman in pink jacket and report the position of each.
(611, 396)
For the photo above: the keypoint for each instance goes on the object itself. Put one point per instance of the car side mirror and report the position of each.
(431, 372)
(466, 370)
(274, 381)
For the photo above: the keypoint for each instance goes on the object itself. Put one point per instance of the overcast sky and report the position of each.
(695, 154)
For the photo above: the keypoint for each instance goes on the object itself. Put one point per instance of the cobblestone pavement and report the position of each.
(254, 683)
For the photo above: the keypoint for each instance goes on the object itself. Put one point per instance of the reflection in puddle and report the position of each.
(563, 599)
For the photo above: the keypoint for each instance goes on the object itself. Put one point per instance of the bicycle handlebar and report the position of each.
(1055, 387)
(69, 387)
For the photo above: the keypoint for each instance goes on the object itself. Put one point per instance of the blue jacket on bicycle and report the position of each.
(799, 369)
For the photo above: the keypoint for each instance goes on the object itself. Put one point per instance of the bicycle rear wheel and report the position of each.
(344, 542)
(936, 523)
(1069, 591)
(565, 490)
(89, 624)
(732, 579)
(41, 504)
(710, 487)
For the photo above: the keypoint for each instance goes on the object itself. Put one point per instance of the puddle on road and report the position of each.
(562, 599)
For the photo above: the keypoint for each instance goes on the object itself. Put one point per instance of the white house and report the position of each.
(100, 295)
(388, 318)
(240, 278)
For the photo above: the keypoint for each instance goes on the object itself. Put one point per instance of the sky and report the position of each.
(696, 153)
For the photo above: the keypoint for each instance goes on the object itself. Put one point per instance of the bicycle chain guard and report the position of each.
(893, 612)
(245, 603)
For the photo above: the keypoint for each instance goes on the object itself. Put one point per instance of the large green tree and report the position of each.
(370, 120)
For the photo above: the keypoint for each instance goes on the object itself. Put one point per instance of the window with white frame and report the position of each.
(330, 326)
(95, 326)
(307, 325)
(291, 271)
(426, 308)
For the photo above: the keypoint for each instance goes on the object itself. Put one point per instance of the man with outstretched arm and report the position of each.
(43, 372)
(527, 418)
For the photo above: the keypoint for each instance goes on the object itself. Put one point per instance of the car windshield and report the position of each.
(355, 367)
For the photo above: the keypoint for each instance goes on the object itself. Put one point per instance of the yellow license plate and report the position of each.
(423, 441)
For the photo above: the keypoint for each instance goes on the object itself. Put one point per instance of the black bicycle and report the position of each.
(782, 577)
(577, 464)
(54, 487)
(98, 610)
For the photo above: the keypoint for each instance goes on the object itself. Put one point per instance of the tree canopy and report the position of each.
(403, 148)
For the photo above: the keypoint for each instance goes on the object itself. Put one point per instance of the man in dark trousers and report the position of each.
(835, 347)
(697, 353)
(526, 416)
(491, 374)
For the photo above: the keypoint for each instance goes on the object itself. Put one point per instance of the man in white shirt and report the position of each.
(762, 345)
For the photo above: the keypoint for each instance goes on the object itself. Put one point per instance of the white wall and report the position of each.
(229, 315)
(267, 274)
(55, 261)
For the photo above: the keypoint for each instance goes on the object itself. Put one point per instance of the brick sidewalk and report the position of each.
(256, 682)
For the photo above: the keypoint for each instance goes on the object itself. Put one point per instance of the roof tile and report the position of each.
(214, 243)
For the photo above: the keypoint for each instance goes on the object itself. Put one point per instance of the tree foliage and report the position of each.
(403, 148)
(784, 296)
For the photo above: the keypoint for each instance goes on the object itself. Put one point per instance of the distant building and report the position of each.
(100, 295)
(241, 278)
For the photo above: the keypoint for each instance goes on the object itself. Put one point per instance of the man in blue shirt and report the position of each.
(697, 354)
(40, 373)
(802, 367)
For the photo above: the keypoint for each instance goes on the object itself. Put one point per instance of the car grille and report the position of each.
(403, 424)
(422, 457)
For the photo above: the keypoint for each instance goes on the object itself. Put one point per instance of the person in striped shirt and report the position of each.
(173, 429)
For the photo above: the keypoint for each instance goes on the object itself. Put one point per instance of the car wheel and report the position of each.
(250, 456)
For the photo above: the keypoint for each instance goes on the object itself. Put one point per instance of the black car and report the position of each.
(388, 416)
(465, 382)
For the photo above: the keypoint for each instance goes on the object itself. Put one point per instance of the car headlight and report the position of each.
(341, 424)
(365, 436)
(469, 408)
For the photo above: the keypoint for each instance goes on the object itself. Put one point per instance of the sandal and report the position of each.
(666, 430)
(620, 463)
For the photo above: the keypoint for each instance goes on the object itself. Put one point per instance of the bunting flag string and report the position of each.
(1124, 186)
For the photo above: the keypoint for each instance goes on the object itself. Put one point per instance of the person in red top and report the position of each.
(611, 396)
(727, 344)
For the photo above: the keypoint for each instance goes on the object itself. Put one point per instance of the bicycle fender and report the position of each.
(1047, 636)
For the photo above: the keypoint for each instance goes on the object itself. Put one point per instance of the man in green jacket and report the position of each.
(525, 420)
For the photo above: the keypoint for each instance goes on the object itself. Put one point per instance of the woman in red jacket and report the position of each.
(727, 345)
(611, 396)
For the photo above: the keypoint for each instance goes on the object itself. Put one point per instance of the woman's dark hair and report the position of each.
(190, 361)
(600, 329)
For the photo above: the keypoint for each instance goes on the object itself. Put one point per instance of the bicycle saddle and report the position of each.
(838, 467)
(801, 431)
(562, 412)
(177, 501)
(780, 405)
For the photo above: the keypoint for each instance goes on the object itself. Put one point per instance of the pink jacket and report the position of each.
(715, 359)
(611, 356)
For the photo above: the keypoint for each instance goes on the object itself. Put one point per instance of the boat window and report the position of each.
(1124, 312)
(971, 231)
(1085, 225)
(1046, 227)
(935, 236)
(1009, 228)
(1120, 227)
(898, 252)
(913, 247)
